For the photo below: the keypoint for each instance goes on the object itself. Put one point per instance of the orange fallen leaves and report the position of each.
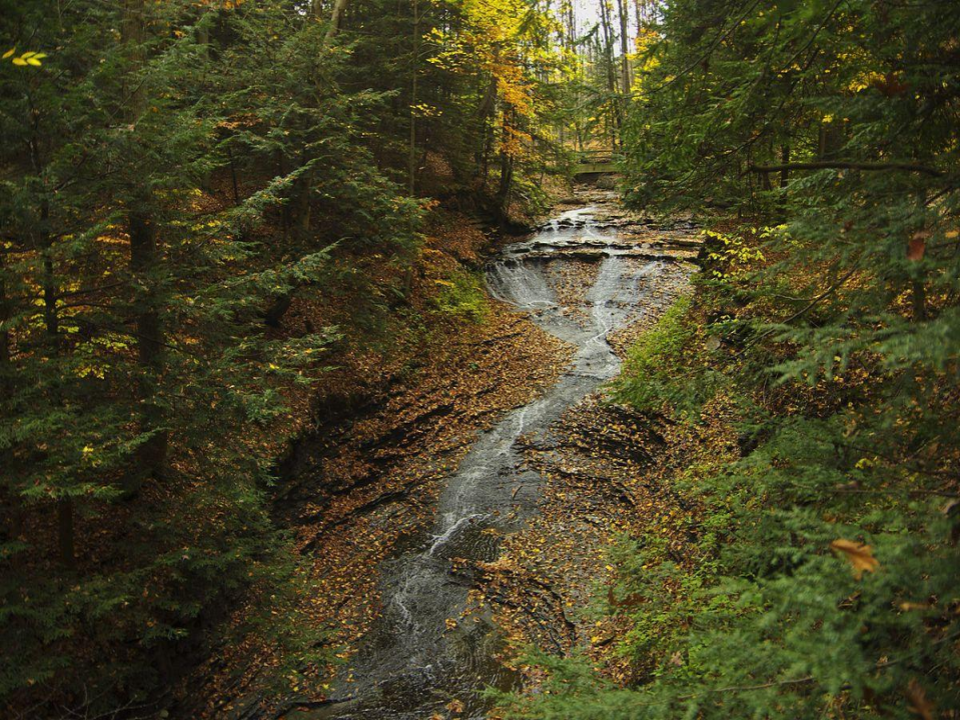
(859, 555)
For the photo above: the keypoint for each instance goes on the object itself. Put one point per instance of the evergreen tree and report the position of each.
(823, 579)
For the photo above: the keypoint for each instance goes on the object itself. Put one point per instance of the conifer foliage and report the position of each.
(174, 176)
(818, 576)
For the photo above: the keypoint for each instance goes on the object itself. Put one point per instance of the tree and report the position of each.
(799, 594)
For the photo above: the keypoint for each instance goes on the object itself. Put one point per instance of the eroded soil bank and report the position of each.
(463, 510)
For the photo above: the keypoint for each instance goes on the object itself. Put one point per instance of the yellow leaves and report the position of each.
(425, 111)
(864, 80)
(31, 57)
(91, 370)
(859, 556)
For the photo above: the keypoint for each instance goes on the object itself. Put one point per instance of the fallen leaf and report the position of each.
(919, 705)
(455, 706)
(917, 246)
(860, 556)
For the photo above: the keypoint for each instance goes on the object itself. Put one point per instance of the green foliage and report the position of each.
(761, 618)
(175, 177)
(463, 295)
(658, 373)
(171, 174)
(819, 579)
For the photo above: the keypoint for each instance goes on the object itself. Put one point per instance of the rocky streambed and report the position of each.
(590, 277)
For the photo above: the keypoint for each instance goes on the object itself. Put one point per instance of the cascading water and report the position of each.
(414, 661)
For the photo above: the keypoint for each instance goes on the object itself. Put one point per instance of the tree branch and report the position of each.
(841, 165)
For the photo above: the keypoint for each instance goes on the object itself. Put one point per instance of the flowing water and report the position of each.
(414, 662)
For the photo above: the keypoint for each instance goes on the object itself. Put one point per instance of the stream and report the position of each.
(418, 657)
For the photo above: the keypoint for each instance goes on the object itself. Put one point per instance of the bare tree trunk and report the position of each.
(65, 532)
(625, 77)
(506, 168)
(152, 452)
(11, 506)
(785, 160)
(412, 158)
(336, 17)
(51, 321)
(605, 24)
(6, 312)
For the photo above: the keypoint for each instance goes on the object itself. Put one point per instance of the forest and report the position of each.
(507, 359)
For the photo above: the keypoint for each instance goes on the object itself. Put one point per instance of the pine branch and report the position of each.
(713, 46)
(844, 165)
(807, 679)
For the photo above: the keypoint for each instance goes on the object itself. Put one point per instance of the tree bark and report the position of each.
(9, 500)
(65, 533)
(506, 169)
(151, 453)
(785, 170)
(412, 150)
(336, 17)
(605, 24)
(6, 312)
(625, 79)
(483, 113)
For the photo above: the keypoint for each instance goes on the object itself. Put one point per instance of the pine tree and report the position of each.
(823, 574)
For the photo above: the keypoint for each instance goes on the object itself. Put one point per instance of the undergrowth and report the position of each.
(463, 295)
(816, 576)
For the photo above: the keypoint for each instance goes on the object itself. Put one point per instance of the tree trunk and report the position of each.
(605, 24)
(506, 170)
(65, 533)
(829, 141)
(412, 150)
(6, 312)
(11, 507)
(625, 79)
(483, 113)
(151, 453)
(506, 180)
(336, 17)
(919, 300)
(785, 160)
